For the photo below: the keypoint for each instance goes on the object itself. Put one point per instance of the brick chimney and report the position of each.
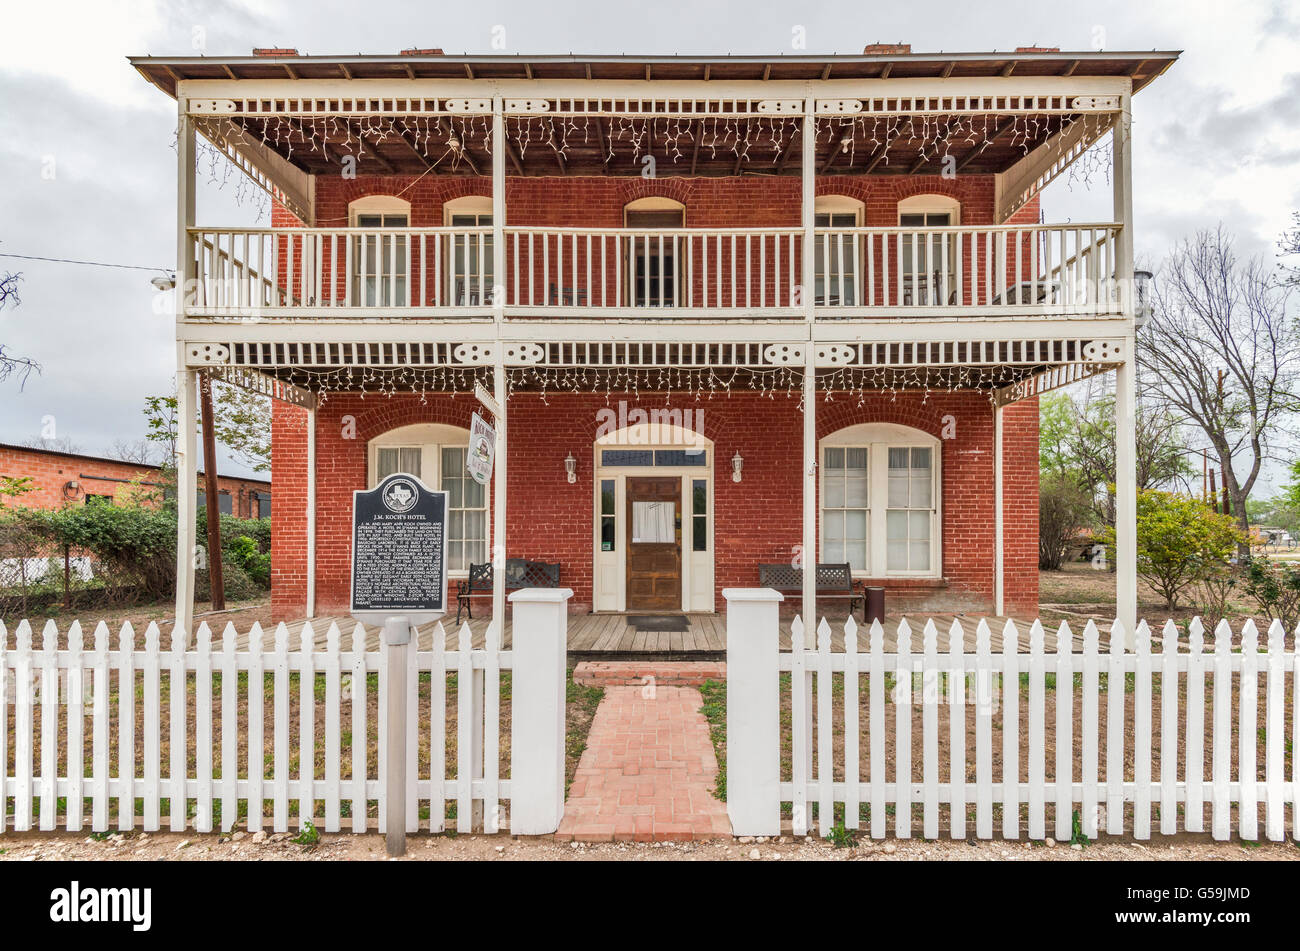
(887, 49)
(1038, 49)
(416, 51)
(274, 51)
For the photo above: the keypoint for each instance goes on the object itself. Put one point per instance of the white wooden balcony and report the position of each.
(575, 273)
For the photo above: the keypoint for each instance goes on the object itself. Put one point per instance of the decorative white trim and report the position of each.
(378, 205)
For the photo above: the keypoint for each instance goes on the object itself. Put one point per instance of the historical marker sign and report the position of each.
(399, 549)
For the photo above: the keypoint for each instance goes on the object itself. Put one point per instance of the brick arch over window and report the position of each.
(881, 194)
(374, 422)
(678, 189)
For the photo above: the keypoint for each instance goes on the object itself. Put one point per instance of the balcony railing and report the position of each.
(689, 272)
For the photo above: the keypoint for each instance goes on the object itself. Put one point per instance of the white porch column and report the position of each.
(311, 512)
(186, 490)
(808, 606)
(1125, 383)
(186, 396)
(999, 561)
(499, 370)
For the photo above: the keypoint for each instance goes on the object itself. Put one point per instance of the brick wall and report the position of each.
(756, 520)
(51, 471)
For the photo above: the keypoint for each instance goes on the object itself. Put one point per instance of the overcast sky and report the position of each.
(87, 167)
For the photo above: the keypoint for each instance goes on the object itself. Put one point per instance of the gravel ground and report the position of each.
(167, 846)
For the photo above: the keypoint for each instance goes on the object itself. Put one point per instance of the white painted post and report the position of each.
(186, 489)
(397, 639)
(311, 512)
(753, 711)
(999, 595)
(1125, 381)
(808, 604)
(541, 627)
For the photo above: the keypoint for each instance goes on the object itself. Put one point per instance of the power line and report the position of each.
(131, 267)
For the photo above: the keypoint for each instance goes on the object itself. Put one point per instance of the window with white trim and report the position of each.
(469, 262)
(379, 257)
(929, 264)
(435, 454)
(835, 262)
(880, 500)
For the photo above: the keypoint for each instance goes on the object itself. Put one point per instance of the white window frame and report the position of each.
(832, 205)
(878, 439)
(480, 206)
(430, 439)
(382, 205)
(671, 255)
(931, 204)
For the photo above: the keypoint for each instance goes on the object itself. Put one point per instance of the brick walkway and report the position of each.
(647, 772)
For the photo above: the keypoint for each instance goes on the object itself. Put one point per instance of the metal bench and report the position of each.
(520, 573)
(833, 581)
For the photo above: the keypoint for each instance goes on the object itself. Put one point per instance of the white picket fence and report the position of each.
(64, 698)
(953, 687)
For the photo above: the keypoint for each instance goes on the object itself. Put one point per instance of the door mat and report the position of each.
(659, 622)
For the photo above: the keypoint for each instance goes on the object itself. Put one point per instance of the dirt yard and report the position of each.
(167, 846)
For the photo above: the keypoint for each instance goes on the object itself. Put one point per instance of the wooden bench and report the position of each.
(833, 581)
(520, 573)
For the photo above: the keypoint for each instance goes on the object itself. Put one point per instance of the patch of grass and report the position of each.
(1076, 831)
(714, 708)
(581, 702)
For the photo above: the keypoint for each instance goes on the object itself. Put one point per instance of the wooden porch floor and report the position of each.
(595, 636)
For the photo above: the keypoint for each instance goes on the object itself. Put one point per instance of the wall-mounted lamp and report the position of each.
(737, 466)
(571, 468)
(1142, 303)
(164, 283)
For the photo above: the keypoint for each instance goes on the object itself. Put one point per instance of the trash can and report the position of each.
(874, 609)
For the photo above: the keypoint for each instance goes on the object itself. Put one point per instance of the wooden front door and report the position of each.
(654, 548)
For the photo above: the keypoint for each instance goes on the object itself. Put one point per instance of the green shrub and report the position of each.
(1180, 540)
(1275, 587)
(234, 579)
(243, 551)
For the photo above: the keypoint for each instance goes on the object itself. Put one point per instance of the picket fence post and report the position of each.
(541, 625)
(753, 711)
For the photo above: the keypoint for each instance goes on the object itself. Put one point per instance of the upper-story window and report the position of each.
(835, 265)
(929, 265)
(379, 255)
(652, 267)
(469, 258)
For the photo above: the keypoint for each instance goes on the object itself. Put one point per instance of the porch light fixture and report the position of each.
(1142, 304)
(165, 283)
(737, 465)
(571, 468)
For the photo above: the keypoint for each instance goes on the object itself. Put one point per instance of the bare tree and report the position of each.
(1220, 353)
(140, 451)
(61, 444)
(11, 365)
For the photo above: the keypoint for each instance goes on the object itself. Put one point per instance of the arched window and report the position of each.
(836, 261)
(925, 279)
(378, 253)
(652, 268)
(880, 500)
(435, 454)
(469, 251)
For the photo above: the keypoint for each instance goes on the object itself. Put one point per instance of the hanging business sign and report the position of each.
(482, 450)
(399, 551)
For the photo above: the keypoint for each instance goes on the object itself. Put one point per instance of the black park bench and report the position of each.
(520, 573)
(833, 581)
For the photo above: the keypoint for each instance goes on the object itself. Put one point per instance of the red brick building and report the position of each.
(65, 478)
(733, 309)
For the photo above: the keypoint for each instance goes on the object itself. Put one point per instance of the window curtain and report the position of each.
(653, 522)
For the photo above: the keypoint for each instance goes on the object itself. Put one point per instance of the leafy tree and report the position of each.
(160, 418)
(242, 423)
(1180, 541)
(1062, 508)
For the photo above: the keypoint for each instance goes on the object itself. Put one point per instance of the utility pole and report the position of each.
(215, 580)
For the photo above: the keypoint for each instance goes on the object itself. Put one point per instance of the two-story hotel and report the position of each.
(735, 310)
